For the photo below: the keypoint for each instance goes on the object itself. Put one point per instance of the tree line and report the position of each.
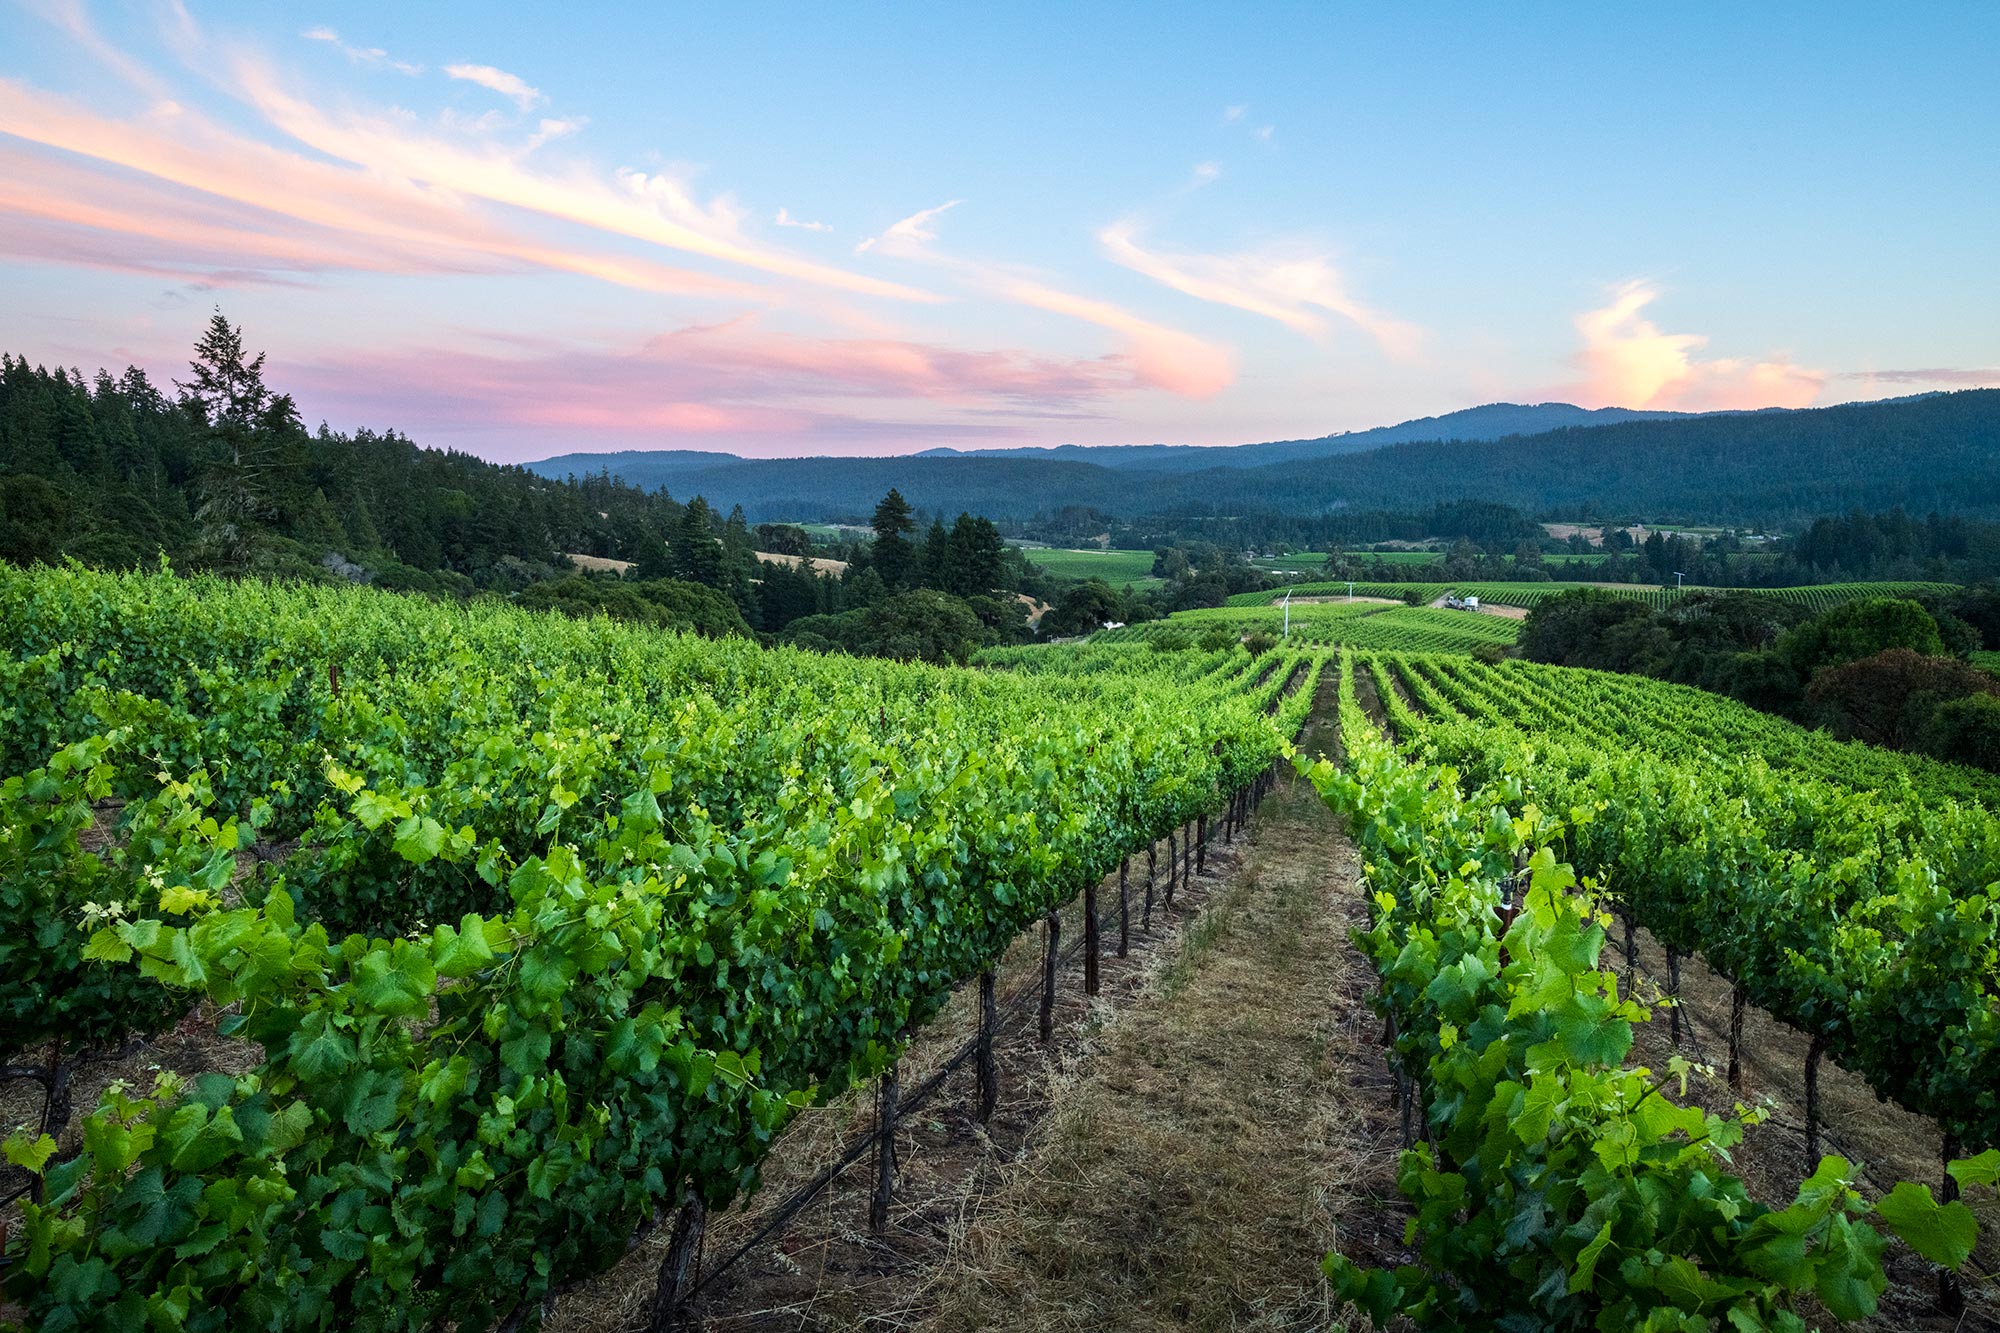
(1889, 671)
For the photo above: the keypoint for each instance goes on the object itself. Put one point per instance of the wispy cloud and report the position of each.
(552, 129)
(1961, 379)
(785, 219)
(658, 207)
(731, 384)
(510, 86)
(360, 55)
(1232, 114)
(1164, 358)
(909, 236)
(1295, 286)
(253, 200)
(1263, 133)
(1628, 362)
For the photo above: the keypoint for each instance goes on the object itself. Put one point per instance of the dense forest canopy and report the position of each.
(1940, 452)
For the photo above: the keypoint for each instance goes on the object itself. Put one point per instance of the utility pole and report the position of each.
(1288, 613)
(1678, 576)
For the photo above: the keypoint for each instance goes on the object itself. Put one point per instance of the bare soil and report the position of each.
(1492, 609)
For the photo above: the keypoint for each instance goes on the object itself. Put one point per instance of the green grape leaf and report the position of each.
(1943, 1234)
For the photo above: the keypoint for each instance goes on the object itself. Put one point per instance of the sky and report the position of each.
(874, 229)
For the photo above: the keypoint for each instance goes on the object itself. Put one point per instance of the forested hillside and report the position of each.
(220, 471)
(1935, 453)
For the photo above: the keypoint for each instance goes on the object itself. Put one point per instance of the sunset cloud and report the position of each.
(1628, 362)
(654, 207)
(735, 384)
(1956, 379)
(510, 86)
(360, 55)
(1162, 357)
(785, 219)
(297, 212)
(1296, 287)
(909, 236)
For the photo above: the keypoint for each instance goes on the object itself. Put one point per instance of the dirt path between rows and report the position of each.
(1184, 1153)
(1224, 1136)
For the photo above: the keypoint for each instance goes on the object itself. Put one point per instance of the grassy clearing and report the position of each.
(1116, 568)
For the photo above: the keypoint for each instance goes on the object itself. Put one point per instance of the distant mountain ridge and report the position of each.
(1931, 452)
(1493, 421)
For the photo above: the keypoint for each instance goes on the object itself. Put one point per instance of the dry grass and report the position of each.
(824, 1269)
(597, 564)
(1225, 1137)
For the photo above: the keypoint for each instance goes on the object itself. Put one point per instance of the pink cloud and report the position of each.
(1163, 358)
(656, 208)
(732, 385)
(1628, 362)
(357, 219)
(1296, 287)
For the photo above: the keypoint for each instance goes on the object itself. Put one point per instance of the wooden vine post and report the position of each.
(987, 1072)
(1201, 846)
(1674, 990)
(1951, 1292)
(1146, 920)
(1090, 941)
(670, 1290)
(1049, 958)
(1124, 907)
(1631, 948)
(1738, 1002)
(1173, 862)
(1813, 1054)
(885, 1150)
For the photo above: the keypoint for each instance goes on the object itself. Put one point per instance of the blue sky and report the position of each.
(520, 233)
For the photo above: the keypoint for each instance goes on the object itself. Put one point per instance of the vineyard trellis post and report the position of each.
(1173, 861)
(1146, 919)
(1738, 1002)
(1124, 906)
(1090, 940)
(1201, 845)
(885, 1149)
(1951, 1292)
(1813, 1054)
(670, 1290)
(1050, 957)
(1674, 991)
(987, 1072)
(1631, 948)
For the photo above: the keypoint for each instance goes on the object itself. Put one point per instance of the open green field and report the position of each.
(1333, 624)
(1817, 597)
(1117, 568)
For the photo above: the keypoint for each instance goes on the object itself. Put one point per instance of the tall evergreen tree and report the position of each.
(934, 558)
(975, 556)
(246, 432)
(695, 550)
(894, 557)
